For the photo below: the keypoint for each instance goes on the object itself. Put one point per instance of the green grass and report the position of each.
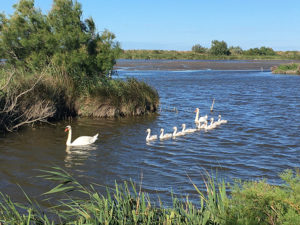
(250, 202)
(290, 68)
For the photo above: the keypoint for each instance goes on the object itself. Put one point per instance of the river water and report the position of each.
(260, 140)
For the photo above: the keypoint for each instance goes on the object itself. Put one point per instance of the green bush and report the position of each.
(219, 48)
(32, 40)
(289, 68)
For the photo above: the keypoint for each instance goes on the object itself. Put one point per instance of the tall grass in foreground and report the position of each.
(249, 203)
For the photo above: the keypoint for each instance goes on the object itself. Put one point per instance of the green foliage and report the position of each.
(31, 97)
(199, 49)
(219, 48)
(264, 51)
(235, 50)
(289, 68)
(32, 40)
(261, 203)
(255, 202)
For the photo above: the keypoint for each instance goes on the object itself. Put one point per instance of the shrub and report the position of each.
(198, 49)
(219, 48)
(32, 40)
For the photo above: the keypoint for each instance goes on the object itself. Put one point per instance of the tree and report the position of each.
(198, 49)
(22, 36)
(219, 48)
(260, 51)
(32, 40)
(235, 50)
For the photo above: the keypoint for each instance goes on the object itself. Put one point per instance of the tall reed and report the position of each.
(250, 202)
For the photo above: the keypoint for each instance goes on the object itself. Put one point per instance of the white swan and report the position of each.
(218, 122)
(83, 140)
(212, 125)
(222, 121)
(190, 130)
(203, 119)
(176, 134)
(200, 119)
(163, 136)
(149, 136)
(202, 126)
(197, 115)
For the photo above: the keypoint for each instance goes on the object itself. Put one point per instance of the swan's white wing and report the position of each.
(85, 140)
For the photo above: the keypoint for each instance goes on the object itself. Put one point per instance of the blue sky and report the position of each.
(179, 24)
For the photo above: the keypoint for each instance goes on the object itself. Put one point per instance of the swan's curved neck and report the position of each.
(197, 115)
(175, 131)
(69, 137)
(148, 135)
(161, 134)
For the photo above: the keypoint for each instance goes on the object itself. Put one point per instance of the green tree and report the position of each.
(219, 48)
(22, 36)
(235, 50)
(198, 48)
(32, 40)
(260, 51)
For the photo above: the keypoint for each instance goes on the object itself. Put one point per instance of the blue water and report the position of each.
(260, 140)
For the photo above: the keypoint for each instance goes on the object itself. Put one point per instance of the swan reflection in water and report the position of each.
(77, 155)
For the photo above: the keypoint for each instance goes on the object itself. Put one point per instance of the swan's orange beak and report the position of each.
(66, 129)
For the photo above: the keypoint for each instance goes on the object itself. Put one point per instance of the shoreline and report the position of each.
(258, 65)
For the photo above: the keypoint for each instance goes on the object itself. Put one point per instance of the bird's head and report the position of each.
(67, 128)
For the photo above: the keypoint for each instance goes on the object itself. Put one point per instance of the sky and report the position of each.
(180, 24)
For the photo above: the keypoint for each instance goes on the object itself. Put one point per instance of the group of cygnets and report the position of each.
(201, 123)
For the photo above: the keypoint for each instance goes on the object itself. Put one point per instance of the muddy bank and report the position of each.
(264, 65)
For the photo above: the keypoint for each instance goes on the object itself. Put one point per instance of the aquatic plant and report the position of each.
(250, 202)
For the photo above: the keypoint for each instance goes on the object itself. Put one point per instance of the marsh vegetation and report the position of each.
(56, 65)
(252, 202)
(289, 68)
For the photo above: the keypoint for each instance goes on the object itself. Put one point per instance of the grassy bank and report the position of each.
(51, 94)
(290, 68)
(191, 55)
(250, 202)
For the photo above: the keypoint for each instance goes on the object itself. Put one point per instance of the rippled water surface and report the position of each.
(260, 140)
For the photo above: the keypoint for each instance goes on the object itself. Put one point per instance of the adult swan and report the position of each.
(83, 140)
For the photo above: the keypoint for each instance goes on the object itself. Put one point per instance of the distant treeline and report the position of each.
(218, 50)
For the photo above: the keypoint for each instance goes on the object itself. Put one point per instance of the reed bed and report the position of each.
(251, 202)
(27, 98)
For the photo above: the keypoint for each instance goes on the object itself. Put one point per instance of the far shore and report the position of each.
(258, 65)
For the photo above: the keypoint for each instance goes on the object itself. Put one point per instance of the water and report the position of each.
(260, 140)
